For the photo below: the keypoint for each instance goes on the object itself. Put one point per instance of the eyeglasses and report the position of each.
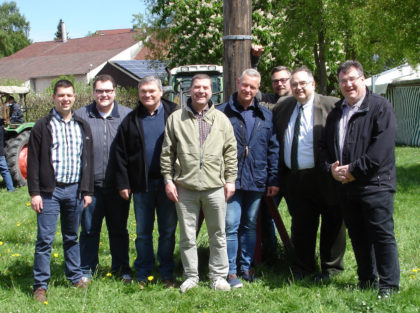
(282, 80)
(301, 84)
(351, 80)
(101, 91)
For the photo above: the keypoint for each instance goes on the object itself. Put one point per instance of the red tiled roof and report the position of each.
(113, 31)
(54, 58)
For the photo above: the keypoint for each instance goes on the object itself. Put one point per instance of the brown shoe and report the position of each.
(169, 283)
(40, 294)
(82, 284)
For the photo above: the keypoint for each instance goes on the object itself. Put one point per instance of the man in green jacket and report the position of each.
(199, 166)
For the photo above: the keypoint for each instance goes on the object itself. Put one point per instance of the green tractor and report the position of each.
(16, 136)
(180, 77)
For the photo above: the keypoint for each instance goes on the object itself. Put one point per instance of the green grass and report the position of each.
(274, 292)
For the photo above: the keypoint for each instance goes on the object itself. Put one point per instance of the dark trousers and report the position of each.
(307, 205)
(371, 230)
(107, 203)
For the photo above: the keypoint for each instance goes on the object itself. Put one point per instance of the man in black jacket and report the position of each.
(358, 151)
(138, 147)
(60, 181)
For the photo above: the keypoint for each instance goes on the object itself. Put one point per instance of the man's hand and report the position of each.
(229, 190)
(341, 173)
(36, 203)
(171, 191)
(125, 193)
(257, 50)
(272, 191)
(87, 200)
(345, 172)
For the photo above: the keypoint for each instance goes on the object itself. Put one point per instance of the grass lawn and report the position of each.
(273, 292)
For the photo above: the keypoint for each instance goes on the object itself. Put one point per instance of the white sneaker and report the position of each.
(188, 284)
(220, 284)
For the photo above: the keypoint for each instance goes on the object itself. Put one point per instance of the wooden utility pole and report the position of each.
(237, 21)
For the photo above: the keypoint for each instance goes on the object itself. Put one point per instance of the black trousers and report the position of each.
(307, 205)
(371, 230)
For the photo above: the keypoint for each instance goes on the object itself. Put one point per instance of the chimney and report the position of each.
(63, 32)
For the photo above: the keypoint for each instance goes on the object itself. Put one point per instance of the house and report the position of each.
(41, 62)
(401, 85)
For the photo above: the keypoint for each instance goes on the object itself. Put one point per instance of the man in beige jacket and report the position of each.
(199, 166)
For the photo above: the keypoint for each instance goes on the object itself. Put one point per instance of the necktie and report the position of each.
(295, 142)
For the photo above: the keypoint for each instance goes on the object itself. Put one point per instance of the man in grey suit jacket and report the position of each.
(299, 121)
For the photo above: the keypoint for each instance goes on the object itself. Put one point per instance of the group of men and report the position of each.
(331, 159)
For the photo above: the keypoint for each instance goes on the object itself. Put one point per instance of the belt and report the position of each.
(302, 172)
(59, 184)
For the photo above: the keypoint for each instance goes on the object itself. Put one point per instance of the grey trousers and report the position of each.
(213, 203)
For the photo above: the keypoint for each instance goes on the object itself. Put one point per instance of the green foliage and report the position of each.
(317, 33)
(14, 29)
(274, 291)
(59, 33)
(39, 104)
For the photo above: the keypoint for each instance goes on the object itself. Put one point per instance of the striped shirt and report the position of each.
(66, 149)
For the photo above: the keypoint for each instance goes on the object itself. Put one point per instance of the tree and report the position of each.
(317, 33)
(14, 29)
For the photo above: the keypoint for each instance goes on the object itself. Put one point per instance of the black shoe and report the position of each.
(322, 278)
(386, 292)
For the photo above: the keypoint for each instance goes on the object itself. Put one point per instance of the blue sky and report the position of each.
(80, 16)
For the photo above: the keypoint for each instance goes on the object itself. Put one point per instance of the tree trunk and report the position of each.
(236, 42)
(320, 61)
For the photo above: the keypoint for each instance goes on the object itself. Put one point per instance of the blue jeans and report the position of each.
(64, 201)
(242, 215)
(4, 171)
(107, 203)
(144, 207)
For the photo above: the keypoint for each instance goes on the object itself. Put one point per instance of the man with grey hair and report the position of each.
(104, 116)
(358, 151)
(257, 147)
(299, 121)
(138, 147)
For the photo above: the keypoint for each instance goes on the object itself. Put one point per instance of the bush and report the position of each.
(39, 104)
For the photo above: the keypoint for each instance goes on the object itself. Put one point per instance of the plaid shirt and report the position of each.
(204, 128)
(66, 149)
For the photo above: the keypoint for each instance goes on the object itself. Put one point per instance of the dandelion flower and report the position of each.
(1, 243)
(415, 270)
(56, 255)
(412, 276)
(100, 243)
(46, 302)
(18, 224)
(28, 204)
(8, 250)
(150, 278)
(108, 274)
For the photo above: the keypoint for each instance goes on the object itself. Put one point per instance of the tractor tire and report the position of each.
(16, 151)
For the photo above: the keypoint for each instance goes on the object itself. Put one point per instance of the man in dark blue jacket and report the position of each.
(358, 151)
(257, 172)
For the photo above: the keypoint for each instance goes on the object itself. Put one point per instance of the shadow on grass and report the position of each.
(408, 177)
(19, 275)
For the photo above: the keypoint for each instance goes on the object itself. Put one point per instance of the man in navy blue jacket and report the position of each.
(358, 151)
(257, 172)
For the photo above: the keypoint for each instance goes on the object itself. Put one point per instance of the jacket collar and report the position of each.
(94, 113)
(233, 104)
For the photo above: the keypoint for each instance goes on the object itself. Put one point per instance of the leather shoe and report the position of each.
(40, 294)
(81, 284)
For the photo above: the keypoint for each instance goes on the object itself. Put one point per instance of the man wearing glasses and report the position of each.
(299, 121)
(104, 116)
(280, 80)
(358, 152)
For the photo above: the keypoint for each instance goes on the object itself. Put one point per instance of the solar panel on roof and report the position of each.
(142, 68)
